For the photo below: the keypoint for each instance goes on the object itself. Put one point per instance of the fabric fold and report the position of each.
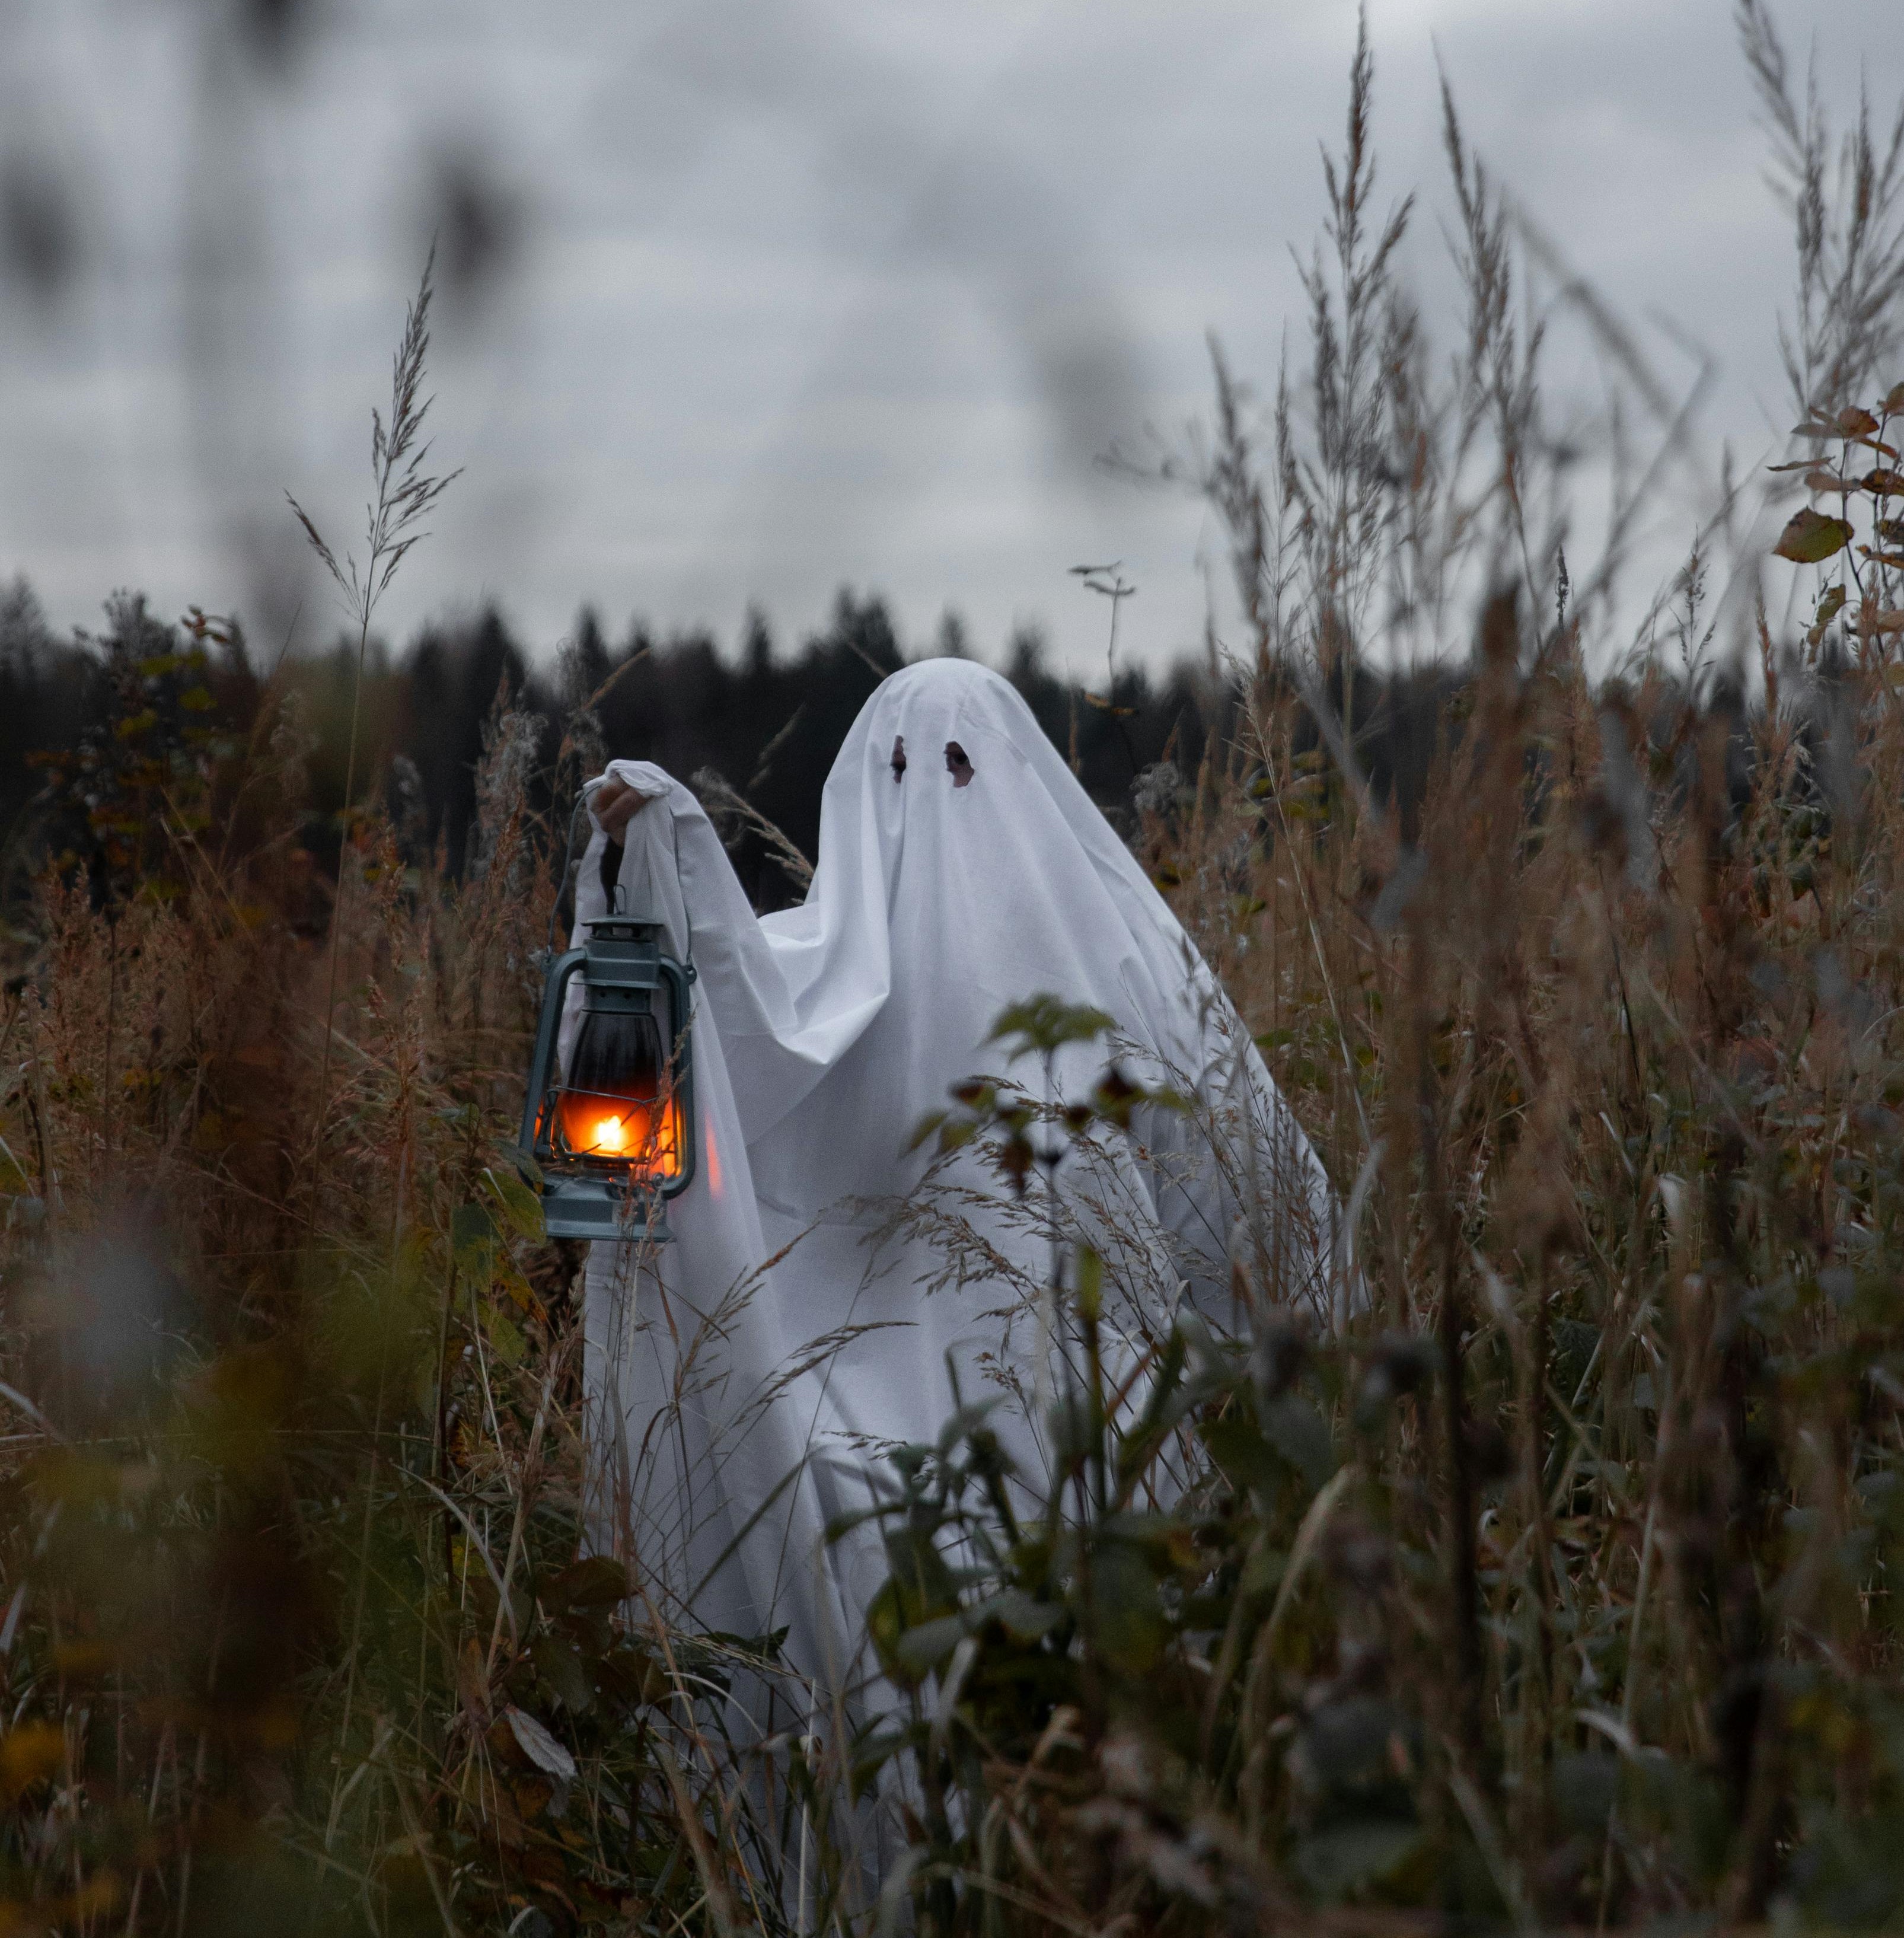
(827, 1288)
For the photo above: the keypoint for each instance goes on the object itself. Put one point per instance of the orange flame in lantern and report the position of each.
(623, 1131)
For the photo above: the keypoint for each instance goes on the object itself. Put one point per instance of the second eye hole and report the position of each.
(899, 757)
(957, 765)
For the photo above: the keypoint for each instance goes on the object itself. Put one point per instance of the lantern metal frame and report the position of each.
(622, 965)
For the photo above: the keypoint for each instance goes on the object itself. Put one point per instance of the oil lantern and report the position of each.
(614, 1133)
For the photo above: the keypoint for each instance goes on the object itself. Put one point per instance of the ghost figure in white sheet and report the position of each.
(826, 1285)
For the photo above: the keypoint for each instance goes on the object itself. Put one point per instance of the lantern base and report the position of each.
(600, 1208)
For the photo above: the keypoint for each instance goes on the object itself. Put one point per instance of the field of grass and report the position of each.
(1552, 1591)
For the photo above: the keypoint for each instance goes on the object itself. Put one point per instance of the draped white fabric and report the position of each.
(824, 1287)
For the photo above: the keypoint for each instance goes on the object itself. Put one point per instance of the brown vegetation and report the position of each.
(1553, 1591)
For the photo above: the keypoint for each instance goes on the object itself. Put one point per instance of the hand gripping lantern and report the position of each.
(613, 1134)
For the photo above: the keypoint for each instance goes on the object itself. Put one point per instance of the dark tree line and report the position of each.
(768, 722)
(97, 729)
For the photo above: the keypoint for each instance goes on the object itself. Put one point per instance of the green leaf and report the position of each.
(1168, 1400)
(1300, 1435)
(886, 1624)
(1811, 537)
(920, 1577)
(923, 1648)
(965, 1422)
(529, 1170)
(1262, 1573)
(476, 1243)
(1090, 1285)
(521, 1209)
(597, 1581)
(560, 1670)
(1130, 1630)
(1240, 1449)
(507, 1342)
(1338, 1862)
(471, 1227)
(1585, 1788)
(1044, 1023)
(842, 1525)
(635, 1674)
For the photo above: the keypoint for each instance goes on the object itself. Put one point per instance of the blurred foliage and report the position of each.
(297, 1632)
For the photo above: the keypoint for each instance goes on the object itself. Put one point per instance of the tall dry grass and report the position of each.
(1552, 1589)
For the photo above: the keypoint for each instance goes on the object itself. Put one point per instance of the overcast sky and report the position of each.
(747, 298)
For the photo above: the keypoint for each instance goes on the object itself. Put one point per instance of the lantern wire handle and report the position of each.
(562, 881)
(687, 908)
(568, 855)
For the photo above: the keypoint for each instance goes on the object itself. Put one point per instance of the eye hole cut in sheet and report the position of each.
(898, 758)
(957, 765)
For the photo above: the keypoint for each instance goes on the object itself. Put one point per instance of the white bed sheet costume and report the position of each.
(744, 1376)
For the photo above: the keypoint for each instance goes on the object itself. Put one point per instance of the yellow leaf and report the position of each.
(27, 1754)
(508, 1343)
(1811, 537)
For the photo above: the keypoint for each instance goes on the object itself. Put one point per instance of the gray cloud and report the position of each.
(756, 298)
